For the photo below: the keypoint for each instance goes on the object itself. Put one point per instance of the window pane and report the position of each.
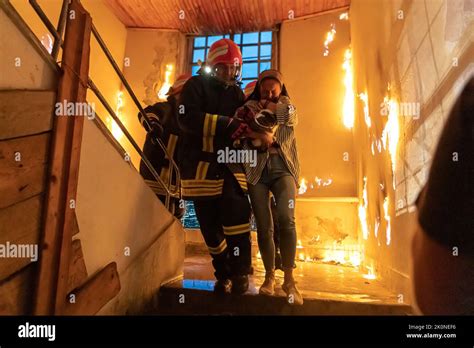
(250, 53)
(265, 65)
(195, 69)
(248, 38)
(265, 51)
(250, 71)
(212, 39)
(200, 41)
(237, 38)
(198, 54)
(266, 36)
(189, 219)
(227, 36)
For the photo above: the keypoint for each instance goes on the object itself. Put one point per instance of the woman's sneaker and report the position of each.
(293, 296)
(268, 286)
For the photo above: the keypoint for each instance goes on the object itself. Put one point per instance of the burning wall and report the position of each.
(410, 60)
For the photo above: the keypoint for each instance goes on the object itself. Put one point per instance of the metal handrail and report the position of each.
(137, 104)
(59, 43)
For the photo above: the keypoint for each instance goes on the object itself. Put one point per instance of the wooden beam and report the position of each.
(20, 224)
(23, 167)
(94, 294)
(77, 267)
(25, 112)
(67, 138)
(16, 292)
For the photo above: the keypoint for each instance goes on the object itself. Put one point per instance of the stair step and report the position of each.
(195, 297)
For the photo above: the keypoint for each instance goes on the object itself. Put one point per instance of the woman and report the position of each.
(277, 172)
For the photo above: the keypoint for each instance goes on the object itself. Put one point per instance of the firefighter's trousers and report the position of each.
(225, 226)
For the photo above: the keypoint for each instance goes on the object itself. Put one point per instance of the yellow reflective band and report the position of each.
(173, 139)
(202, 183)
(201, 192)
(206, 125)
(209, 130)
(219, 249)
(237, 229)
(214, 124)
(201, 171)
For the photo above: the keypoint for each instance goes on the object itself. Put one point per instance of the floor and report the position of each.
(314, 279)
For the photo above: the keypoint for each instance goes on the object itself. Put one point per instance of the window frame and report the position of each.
(191, 64)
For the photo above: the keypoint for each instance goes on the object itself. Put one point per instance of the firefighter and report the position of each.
(164, 125)
(218, 190)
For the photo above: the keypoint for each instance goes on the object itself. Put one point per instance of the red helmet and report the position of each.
(224, 51)
(249, 88)
(178, 84)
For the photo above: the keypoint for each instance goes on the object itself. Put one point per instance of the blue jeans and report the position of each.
(277, 179)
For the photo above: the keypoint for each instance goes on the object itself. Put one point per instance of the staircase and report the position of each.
(105, 243)
(328, 289)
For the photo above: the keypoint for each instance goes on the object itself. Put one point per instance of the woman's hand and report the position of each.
(266, 138)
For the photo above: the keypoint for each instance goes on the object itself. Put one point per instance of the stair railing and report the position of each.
(170, 189)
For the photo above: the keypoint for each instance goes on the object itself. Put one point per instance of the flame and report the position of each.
(166, 85)
(344, 16)
(299, 245)
(303, 187)
(377, 225)
(113, 126)
(348, 106)
(320, 182)
(365, 99)
(47, 42)
(370, 274)
(391, 131)
(329, 38)
(363, 212)
(387, 219)
(259, 256)
(301, 257)
(347, 255)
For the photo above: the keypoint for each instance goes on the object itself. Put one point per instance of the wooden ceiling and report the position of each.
(215, 16)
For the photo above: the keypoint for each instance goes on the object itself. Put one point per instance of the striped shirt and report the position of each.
(287, 119)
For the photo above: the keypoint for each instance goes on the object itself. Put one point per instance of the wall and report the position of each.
(112, 31)
(315, 84)
(418, 54)
(25, 134)
(148, 52)
(23, 66)
(125, 223)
